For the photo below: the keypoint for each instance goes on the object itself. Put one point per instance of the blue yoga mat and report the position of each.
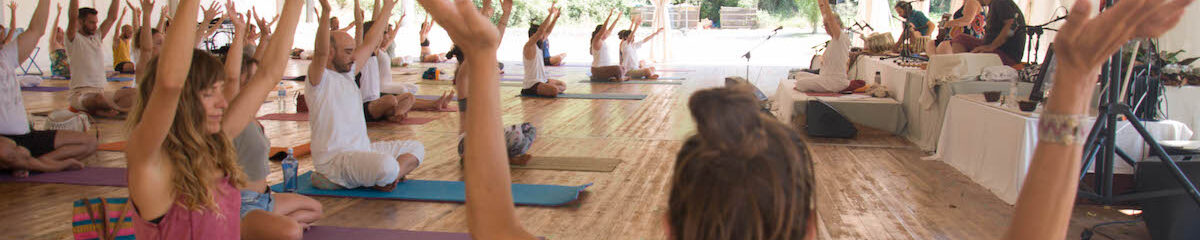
(446, 191)
(663, 82)
(594, 96)
(120, 79)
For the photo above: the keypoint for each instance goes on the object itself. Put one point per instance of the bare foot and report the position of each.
(654, 76)
(398, 118)
(520, 159)
(389, 187)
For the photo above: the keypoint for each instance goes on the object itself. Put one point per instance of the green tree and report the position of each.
(809, 10)
(778, 8)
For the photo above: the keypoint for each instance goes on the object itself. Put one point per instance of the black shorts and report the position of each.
(38, 142)
(367, 113)
(546, 60)
(120, 66)
(532, 91)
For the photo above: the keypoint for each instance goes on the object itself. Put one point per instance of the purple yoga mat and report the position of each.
(43, 89)
(330, 232)
(88, 176)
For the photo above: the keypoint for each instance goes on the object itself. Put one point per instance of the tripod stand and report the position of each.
(1100, 147)
(760, 44)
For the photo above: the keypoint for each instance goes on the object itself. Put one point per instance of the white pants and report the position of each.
(808, 82)
(378, 167)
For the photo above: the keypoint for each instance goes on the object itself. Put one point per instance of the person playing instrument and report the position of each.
(1005, 33)
(915, 24)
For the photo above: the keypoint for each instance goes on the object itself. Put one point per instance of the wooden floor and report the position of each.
(863, 192)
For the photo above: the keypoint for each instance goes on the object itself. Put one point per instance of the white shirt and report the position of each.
(600, 57)
(368, 85)
(335, 117)
(87, 61)
(837, 55)
(629, 55)
(384, 62)
(12, 108)
(535, 69)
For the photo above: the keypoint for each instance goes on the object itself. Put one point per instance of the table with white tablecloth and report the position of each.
(993, 145)
(1183, 105)
(894, 76)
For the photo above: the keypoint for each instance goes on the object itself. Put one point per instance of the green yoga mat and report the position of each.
(446, 191)
(663, 82)
(594, 96)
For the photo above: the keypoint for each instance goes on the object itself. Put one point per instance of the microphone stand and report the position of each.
(1034, 34)
(760, 44)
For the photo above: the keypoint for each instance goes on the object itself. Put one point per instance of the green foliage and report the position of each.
(810, 12)
(780, 8)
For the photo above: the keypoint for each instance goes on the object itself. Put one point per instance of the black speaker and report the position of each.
(1170, 217)
(822, 120)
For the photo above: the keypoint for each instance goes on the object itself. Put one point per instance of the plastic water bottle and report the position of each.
(878, 78)
(282, 98)
(290, 166)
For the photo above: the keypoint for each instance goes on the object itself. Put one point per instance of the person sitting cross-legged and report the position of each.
(343, 155)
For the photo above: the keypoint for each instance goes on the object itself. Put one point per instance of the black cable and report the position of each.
(1088, 233)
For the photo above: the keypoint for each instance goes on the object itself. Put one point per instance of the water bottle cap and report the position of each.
(289, 151)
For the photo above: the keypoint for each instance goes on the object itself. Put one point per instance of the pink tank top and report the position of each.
(181, 223)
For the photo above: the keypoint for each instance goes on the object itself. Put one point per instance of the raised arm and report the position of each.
(833, 22)
(608, 30)
(1043, 209)
(233, 58)
(136, 17)
(117, 36)
(206, 25)
(390, 37)
(109, 19)
(506, 7)
(320, 56)
(358, 22)
(264, 35)
(35, 30)
(72, 20)
(243, 108)
(490, 211)
(12, 21)
(145, 43)
(529, 51)
(553, 23)
(652, 35)
(149, 186)
(373, 37)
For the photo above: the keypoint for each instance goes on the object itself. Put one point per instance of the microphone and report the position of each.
(777, 29)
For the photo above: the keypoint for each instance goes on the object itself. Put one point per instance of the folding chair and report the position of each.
(32, 63)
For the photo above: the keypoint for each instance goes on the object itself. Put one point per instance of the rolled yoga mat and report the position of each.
(88, 176)
(120, 79)
(662, 82)
(445, 191)
(594, 96)
(303, 117)
(583, 164)
(44, 89)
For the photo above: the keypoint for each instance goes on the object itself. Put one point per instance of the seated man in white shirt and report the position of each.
(833, 77)
(22, 148)
(86, 56)
(343, 155)
(394, 106)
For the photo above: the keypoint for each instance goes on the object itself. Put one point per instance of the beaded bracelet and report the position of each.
(1064, 129)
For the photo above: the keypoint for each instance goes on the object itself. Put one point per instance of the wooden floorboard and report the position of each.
(872, 187)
